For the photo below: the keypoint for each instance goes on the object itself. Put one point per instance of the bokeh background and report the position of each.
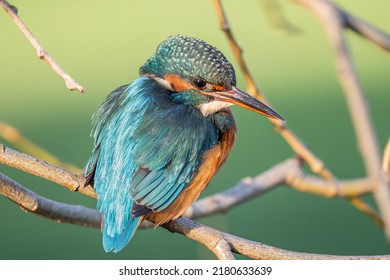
(102, 44)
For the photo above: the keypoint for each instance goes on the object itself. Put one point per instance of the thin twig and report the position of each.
(365, 29)
(367, 209)
(296, 144)
(17, 139)
(357, 103)
(386, 160)
(70, 83)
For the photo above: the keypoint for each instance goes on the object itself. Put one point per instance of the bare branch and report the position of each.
(350, 189)
(367, 210)
(365, 29)
(296, 144)
(329, 188)
(220, 243)
(248, 188)
(386, 160)
(222, 250)
(329, 16)
(213, 239)
(249, 248)
(218, 203)
(60, 212)
(71, 84)
(44, 170)
(17, 139)
(286, 172)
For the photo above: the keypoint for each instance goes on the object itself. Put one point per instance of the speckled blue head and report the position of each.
(199, 75)
(188, 58)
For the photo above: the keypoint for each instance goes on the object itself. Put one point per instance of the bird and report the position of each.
(159, 140)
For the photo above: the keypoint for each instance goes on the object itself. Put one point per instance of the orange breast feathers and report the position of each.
(212, 160)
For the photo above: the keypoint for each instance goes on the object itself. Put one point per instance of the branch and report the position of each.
(220, 243)
(329, 16)
(386, 160)
(350, 189)
(248, 188)
(329, 188)
(368, 210)
(287, 172)
(18, 140)
(60, 212)
(365, 29)
(44, 170)
(71, 84)
(296, 144)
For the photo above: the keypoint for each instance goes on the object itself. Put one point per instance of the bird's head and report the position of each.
(199, 74)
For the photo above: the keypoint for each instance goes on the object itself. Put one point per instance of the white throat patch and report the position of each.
(212, 107)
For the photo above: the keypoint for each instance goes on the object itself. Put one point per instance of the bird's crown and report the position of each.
(190, 57)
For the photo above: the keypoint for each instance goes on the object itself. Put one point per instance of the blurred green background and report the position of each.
(102, 44)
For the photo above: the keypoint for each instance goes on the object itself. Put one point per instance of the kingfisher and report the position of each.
(159, 140)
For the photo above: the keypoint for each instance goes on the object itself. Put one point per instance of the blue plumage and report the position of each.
(160, 139)
(147, 149)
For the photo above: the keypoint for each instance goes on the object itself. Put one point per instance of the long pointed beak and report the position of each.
(244, 100)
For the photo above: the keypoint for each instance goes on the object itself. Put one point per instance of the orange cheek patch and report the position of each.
(218, 87)
(177, 83)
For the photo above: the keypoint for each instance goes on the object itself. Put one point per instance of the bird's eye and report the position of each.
(200, 83)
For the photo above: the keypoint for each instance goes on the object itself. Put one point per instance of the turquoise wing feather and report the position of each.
(147, 149)
(169, 146)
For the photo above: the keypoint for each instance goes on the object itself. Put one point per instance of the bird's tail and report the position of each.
(116, 242)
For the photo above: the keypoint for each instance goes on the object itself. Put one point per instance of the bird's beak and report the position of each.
(240, 98)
